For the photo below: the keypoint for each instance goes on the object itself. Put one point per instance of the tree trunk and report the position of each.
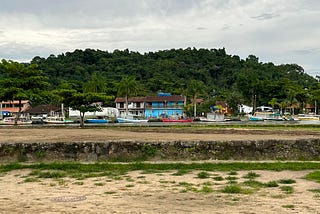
(127, 110)
(82, 119)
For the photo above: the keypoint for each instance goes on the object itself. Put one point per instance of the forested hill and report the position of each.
(225, 77)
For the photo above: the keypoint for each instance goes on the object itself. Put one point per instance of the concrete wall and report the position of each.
(308, 149)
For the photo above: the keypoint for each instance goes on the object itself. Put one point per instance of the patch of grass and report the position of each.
(78, 183)
(208, 183)
(287, 189)
(185, 184)
(31, 180)
(61, 182)
(78, 168)
(278, 196)
(206, 189)
(181, 172)
(129, 185)
(141, 177)
(233, 173)
(129, 179)
(236, 189)
(218, 178)
(315, 176)
(271, 184)
(314, 190)
(254, 184)
(110, 192)
(203, 175)
(143, 182)
(231, 178)
(286, 181)
(251, 175)
(288, 206)
(99, 184)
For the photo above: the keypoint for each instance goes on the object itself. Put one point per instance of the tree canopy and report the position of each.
(226, 77)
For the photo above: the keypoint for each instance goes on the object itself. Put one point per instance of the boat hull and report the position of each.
(126, 120)
(168, 120)
(97, 121)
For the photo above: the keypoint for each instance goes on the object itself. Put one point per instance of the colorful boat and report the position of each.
(97, 120)
(172, 120)
(262, 116)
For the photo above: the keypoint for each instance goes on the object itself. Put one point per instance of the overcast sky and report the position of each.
(278, 31)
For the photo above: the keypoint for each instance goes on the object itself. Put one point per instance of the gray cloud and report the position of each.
(273, 30)
(265, 16)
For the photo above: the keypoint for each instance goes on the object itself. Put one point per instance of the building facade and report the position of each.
(163, 105)
(11, 108)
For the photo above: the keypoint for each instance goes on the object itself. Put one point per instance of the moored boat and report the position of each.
(56, 120)
(131, 120)
(173, 120)
(11, 121)
(308, 117)
(97, 120)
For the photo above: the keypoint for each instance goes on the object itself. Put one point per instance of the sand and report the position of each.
(162, 192)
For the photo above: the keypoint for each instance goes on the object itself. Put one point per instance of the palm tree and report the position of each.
(195, 88)
(127, 87)
(273, 102)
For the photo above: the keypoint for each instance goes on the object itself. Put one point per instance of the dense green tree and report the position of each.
(21, 82)
(171, 70)
(83, 102)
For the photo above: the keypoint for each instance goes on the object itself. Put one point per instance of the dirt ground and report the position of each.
(26, 135)
(163, 192)
(137, 192)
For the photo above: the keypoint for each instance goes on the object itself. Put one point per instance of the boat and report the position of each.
(97, 120)
(303, 117)
(11, 121)
(173, 120)
(130, 120)
(213, 117)
(56, 120)
(262, 116)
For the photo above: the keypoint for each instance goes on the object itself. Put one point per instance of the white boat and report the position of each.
(56, 120)
(213, 117)
(130, 119)
(11, 121)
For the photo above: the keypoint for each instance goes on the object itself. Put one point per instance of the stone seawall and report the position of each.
(301, 149)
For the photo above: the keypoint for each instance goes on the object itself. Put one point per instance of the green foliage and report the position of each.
(21, 82)
(224, 76)
(271, 184)
(315, 176)
(203, 175)
(251, 175)
(286, 181)
(287, 189)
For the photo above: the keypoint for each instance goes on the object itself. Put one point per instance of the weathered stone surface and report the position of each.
(302, 149)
